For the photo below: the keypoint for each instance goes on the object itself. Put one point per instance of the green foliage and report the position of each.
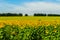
(14, 32)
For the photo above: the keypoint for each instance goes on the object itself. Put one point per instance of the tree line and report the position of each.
(35, 14)
(41, 14)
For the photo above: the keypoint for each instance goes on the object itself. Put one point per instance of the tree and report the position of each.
(26, 14)
(20, 14)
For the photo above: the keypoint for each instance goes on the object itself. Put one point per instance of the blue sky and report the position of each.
(22, 1)
(30, 6)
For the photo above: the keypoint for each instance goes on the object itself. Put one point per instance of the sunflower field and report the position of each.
(29, 29)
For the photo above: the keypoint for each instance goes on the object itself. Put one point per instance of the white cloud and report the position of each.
(31, 7)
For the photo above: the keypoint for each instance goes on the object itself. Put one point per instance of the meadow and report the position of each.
(30, 28)
(48, 18)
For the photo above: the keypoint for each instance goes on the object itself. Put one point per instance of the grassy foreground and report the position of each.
(14, 32)
(30, 28)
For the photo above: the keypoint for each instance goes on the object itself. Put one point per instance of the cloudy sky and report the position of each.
(30, 6)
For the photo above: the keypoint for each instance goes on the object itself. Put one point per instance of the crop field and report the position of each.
(30, 20)
(30, 28)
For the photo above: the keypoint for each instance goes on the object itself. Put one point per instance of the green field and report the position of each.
(28, 32)
(30, 18)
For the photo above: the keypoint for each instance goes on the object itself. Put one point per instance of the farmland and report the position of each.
(30, 18)
(30, 28)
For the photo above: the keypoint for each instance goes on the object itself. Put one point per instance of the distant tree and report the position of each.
(20, 14)
(3, 14)
(35, 14)
(39, 14)
(26, 14)
(9, 14)
(53, 14)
